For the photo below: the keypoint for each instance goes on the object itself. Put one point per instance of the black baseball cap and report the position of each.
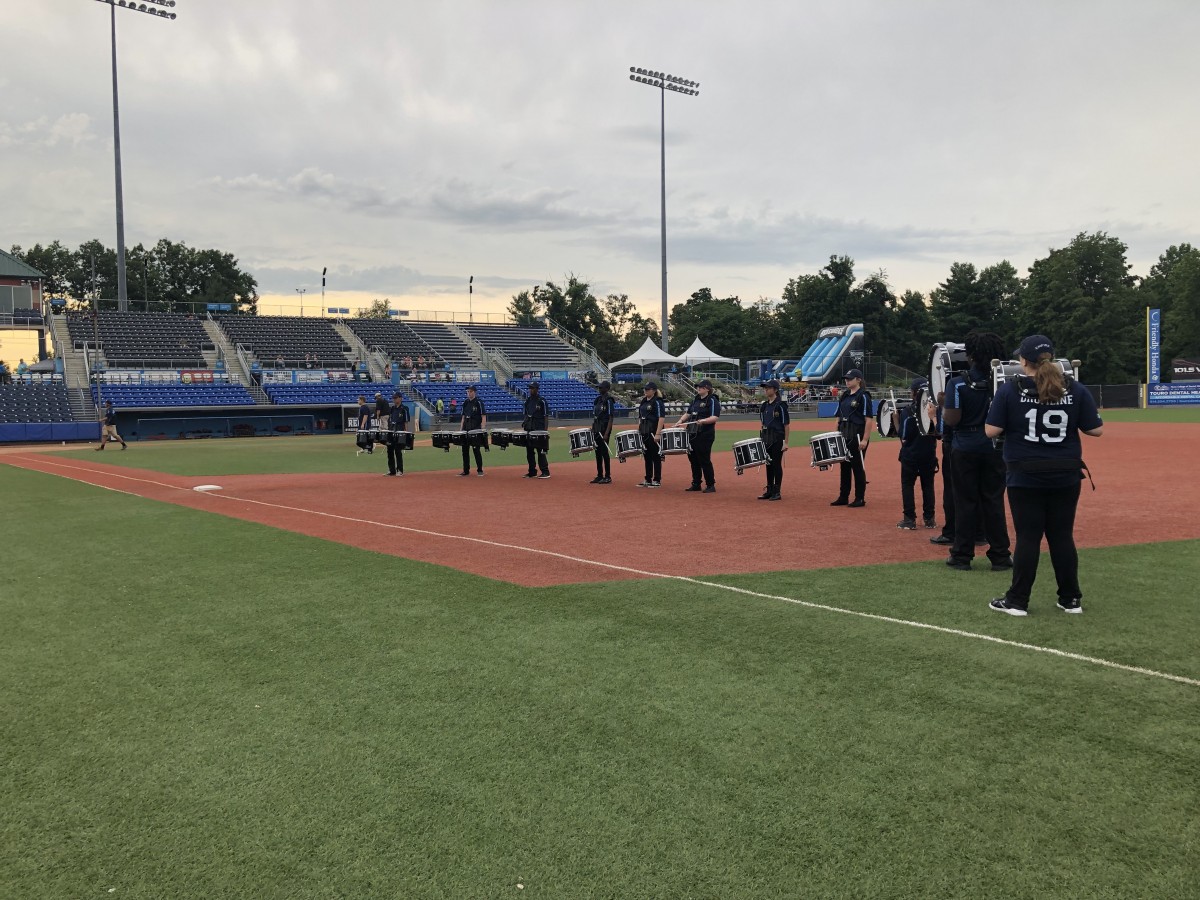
(773, 384)
(604, 386)
(854, 373)
(918, 383)
(533, 385)
(704, 383)
(471, 387)
(649, 386)
(1034, 346)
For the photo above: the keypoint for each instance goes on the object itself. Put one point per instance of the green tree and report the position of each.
(1173, 286)
(524, 310)
(813, 302)
(1083, 298)
(719, 323)
(54, 261)
(913, 333)
(377, 310)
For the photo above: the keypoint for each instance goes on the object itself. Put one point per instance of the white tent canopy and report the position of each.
(647, 355)
(699, 355)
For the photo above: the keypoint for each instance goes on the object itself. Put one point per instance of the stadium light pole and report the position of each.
(301, 292)
(324, 269)
(471, 300)
(688, 88)
(159, 9)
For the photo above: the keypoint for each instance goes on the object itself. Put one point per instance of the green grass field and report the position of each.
(196, 706)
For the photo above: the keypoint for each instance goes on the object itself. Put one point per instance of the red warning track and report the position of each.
(564, 530)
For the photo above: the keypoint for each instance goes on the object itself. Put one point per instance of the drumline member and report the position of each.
(918, 460)
(1040, 417)
(703, 412)
(363, 438)
(651, 419)
(537, 413)
(776, 422)
(397, 419)
(474, 418)
(382, 409)
(604, 410)
(108, 426)
(854, 408)
(977, 465)
(946, 536)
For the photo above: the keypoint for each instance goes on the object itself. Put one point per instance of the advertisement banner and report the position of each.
(193, 376)
(1172, 394)
(1155, 346)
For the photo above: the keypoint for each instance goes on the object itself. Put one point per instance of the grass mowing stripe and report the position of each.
(1020, 645)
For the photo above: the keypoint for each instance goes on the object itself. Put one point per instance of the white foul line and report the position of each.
(808, 604)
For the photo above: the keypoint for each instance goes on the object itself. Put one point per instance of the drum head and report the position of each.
(926, 421)
(883, 418)
(946, 361)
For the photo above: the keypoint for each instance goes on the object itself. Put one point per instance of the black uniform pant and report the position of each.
(652, 457)
(603, 459)
(467, 458)
(395, 457)
(536, 459)
(855, 467)
(909, 474)
(700, 456)
(774, 466)
(948, 500)
(1049, 512)
(979, 493)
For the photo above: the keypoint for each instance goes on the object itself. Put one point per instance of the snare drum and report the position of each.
(828, 448)
(674, 441)
(947, 360)
(629, 443)
(883, 418)
(582, 441)
(477, 437)
(402, 440)
(539, 440)
(1003, 372)
(458, 438)
(748, 454)
(520, 438)
(441, 440)
(502, 437)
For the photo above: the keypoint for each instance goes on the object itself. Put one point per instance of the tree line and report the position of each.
(168, 277)
(1081, 296)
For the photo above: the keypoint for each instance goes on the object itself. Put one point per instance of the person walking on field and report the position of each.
(108, 428)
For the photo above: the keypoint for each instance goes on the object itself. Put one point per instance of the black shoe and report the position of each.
(774, 497)
(605, 480)
(766, 495)
(597, 480)
(856, 504)
(959, 564)
(530, 475)
(907, 524)
(124, 446)
(544, 475)
(694, 487)
(711, 489)
(1002, 566)
(1070, 606)
(840, 501)
(464, 474)
(1001, 604)
(389, 474)
(101, 447)
(930, 523)
(941, 539)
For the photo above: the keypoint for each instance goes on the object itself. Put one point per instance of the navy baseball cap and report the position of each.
(604, 386)
(1034, 346)
(471, 387)
(773, 384)
(854, 373)
(704, 383)
(649, 386)
(533, 385)
(918, 383)
(397, 396)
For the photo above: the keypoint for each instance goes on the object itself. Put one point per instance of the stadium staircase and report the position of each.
(234, 364)
(588, 357)
(361, 352)
(75, 370)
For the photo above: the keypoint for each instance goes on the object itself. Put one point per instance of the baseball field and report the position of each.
(308, 680)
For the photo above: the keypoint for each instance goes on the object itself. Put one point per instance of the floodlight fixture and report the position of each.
(688, 88)
(158, 9)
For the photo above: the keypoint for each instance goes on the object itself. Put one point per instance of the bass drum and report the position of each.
(946, 361)
(883, 418)
(1003, 372)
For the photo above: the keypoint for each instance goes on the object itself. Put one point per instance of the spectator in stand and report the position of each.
(407, 363)
(279, 363)
(420, 362)
(387, 372)
(5, 377)
(453, 407)
(440, 407)
(22, 368)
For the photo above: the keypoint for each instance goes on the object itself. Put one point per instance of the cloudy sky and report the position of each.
(408, 146)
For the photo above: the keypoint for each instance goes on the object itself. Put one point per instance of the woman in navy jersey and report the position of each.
(1040, 416)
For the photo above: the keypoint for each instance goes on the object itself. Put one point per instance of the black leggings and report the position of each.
(701, 459)
(856, 466)
(1049, 512)
(652, 456)
(603, 460)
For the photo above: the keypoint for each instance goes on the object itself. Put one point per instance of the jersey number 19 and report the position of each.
(1051, 429)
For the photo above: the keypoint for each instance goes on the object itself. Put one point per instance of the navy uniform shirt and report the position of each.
(1042, 434)
(855, 408)
(775, 418)
(973, 402)
(604, 407)
(536, 414)
(364, 417)
(397, 417)
(702, 408)
(110, 415)
(916, 449)
(473, 412)
(650, 410)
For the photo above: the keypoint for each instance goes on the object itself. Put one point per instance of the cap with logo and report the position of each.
(773, 384)
(1034, 346)
(854, 373)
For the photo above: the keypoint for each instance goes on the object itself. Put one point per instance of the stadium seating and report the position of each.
(528, 348)
(34, 403)
(22, 316)
(126, 396)
(327, 393)
(568, 398)
(395, 339)
(448, 345)
(144, 339)
(496, 400)
(291, 337)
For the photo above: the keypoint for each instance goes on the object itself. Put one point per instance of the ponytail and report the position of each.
(1049, 379)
